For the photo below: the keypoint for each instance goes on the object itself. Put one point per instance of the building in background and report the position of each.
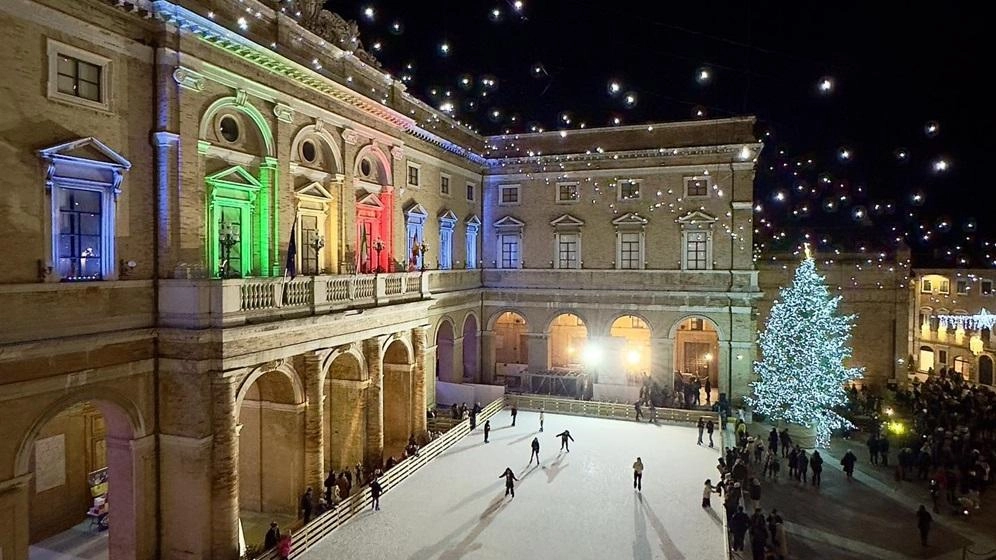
(240, 254)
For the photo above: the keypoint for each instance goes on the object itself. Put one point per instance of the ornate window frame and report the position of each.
(447, 223)
(630, 223)
(567, 227)
(697, 223)
(509, 231)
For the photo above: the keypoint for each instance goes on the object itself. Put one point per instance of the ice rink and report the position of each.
(578, 505)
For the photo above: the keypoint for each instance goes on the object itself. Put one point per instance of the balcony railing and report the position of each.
(202, 302)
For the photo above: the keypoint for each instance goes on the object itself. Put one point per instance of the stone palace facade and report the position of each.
(240, 254)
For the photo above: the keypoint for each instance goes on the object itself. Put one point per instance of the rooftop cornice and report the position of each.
(600, 156)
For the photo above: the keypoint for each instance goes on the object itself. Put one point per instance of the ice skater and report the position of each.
(709, 429)
(535, 451)
(515, 412)
(375, 491)
(487, 430)
(564, 437)
(541, 419)
(701, 426)
(638, 475)
(510, 479)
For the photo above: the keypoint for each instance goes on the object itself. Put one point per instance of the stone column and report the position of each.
(134, 531)
(14, 502)
(487, 364)
(457, 373)
(314, 422)
(373, 354)
(723, 366)
(539, 351)
(225, 471)
(662, 362)
(419, 338)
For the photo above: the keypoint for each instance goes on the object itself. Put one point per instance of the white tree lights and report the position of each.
(801, 376)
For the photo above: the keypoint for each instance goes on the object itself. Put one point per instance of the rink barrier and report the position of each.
(320, 527)
(599, 409)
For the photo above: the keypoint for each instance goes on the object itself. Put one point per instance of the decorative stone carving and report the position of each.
(188, 79)
(241, 96)
(332, 27)
(350, 137)
(398, 153)
(284, 113)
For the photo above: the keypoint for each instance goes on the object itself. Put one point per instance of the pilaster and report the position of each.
(419, 338)
(314, 424)
(373, 354)
(225, 471)
(487, 357)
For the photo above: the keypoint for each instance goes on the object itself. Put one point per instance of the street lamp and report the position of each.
(317, 244)
(378, 246)
(422, 250)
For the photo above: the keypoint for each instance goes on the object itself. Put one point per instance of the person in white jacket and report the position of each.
(638, 475)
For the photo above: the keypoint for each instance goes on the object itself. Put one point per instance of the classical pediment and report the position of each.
(472, 220)
(447, 216)
(567, 220)
(88, 150)
(697, 218)
(630, 219)
(509, 223)
(235, 176)
(314, 190)
(369, 199)
(416, 209)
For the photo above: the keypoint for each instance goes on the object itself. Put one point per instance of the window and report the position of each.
(444, 185)
(926, 361)
(83, 190)
(568, 192)
(470, 192)
(230, 241)
(508, 195)
(77, 76)
(696, 324)
(944, 286)
(510, 250)
(415, 217)
(942, 356)
(312, 244)
(568, 249)
(413, 175)
(447, 221)
(961, 286)
(628, 190)
(629, 251)
(926, 286)
(986, 287)
(473, 226)
(697, 186)
(696, 250)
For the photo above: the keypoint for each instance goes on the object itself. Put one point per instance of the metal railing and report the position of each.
(607, 410)
(320, 527)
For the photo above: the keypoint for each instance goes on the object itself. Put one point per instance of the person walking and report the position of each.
(755, 492)
(793, 462)
(564, 437)
(541, 419)
(487, 430)
(779, 537)
(515, 412)
(773, 441)
(701, 426)
(802, 466)
(653, 413)
(510, 479)
(816, 464)
(638, 475)
(786, 440)
(307, 503)
(535, 451)
(272, 536)
(329, 483)
(708, 390)
(375, 492)
(848, 463)
(639, 411)
(758, 537)
(709, 429)
(923, 521)
(873, 449)
(883, 450)
(739, 523)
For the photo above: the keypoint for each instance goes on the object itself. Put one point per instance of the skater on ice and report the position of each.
(564, 437)
(510, 479)
(487, 430)
(535, 451)
(638, 474)
(541, 419)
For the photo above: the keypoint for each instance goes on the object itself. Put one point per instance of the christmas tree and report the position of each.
(801, 375)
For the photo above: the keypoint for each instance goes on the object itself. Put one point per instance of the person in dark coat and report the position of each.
(848, 463)
(375, 492)
(515, 412)
(701, 426)
(739, 523)
(923, 521)
(708, 390)
(773, 440)
(873, 449)
(758, 536)
(816, 465)
(639, 411)
(802, 466)
(272, 536)
(329, 483)
(535, 451)
(883, 450)
(487, 430)
(785, 441)
(510, 479)
(564, 437)
(307, 503)
(710, 427)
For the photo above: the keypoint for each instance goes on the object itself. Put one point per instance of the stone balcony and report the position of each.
(714, 282)
(202, 303)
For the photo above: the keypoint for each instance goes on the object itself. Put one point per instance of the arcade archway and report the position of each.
(511, 347)
(568, 342)
(444, 352)
(630, 340)
(696, 351)
(345, 414)
(985, 370)
(471, 350)
(397, 398)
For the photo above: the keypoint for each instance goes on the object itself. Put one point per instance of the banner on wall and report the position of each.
(50, 463)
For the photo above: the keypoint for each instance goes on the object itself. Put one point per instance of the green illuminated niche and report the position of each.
(238, 214)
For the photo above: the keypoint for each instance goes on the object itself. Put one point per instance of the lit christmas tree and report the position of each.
(801, 375)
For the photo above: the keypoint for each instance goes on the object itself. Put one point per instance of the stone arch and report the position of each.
(696, 356)
(393, 352)
(561, 312)
(238, 103)
(351, 351)
(444, 340)
(985, 370)
(567, 344)
(510, 343)
(327, 139)
(398, 396)
(630, 343)
(383, 164)
(715, 325)
(493, 319)
(471, 347)
(345, 417)
(259, 371)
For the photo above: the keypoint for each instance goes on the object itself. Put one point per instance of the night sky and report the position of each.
(893, 73)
